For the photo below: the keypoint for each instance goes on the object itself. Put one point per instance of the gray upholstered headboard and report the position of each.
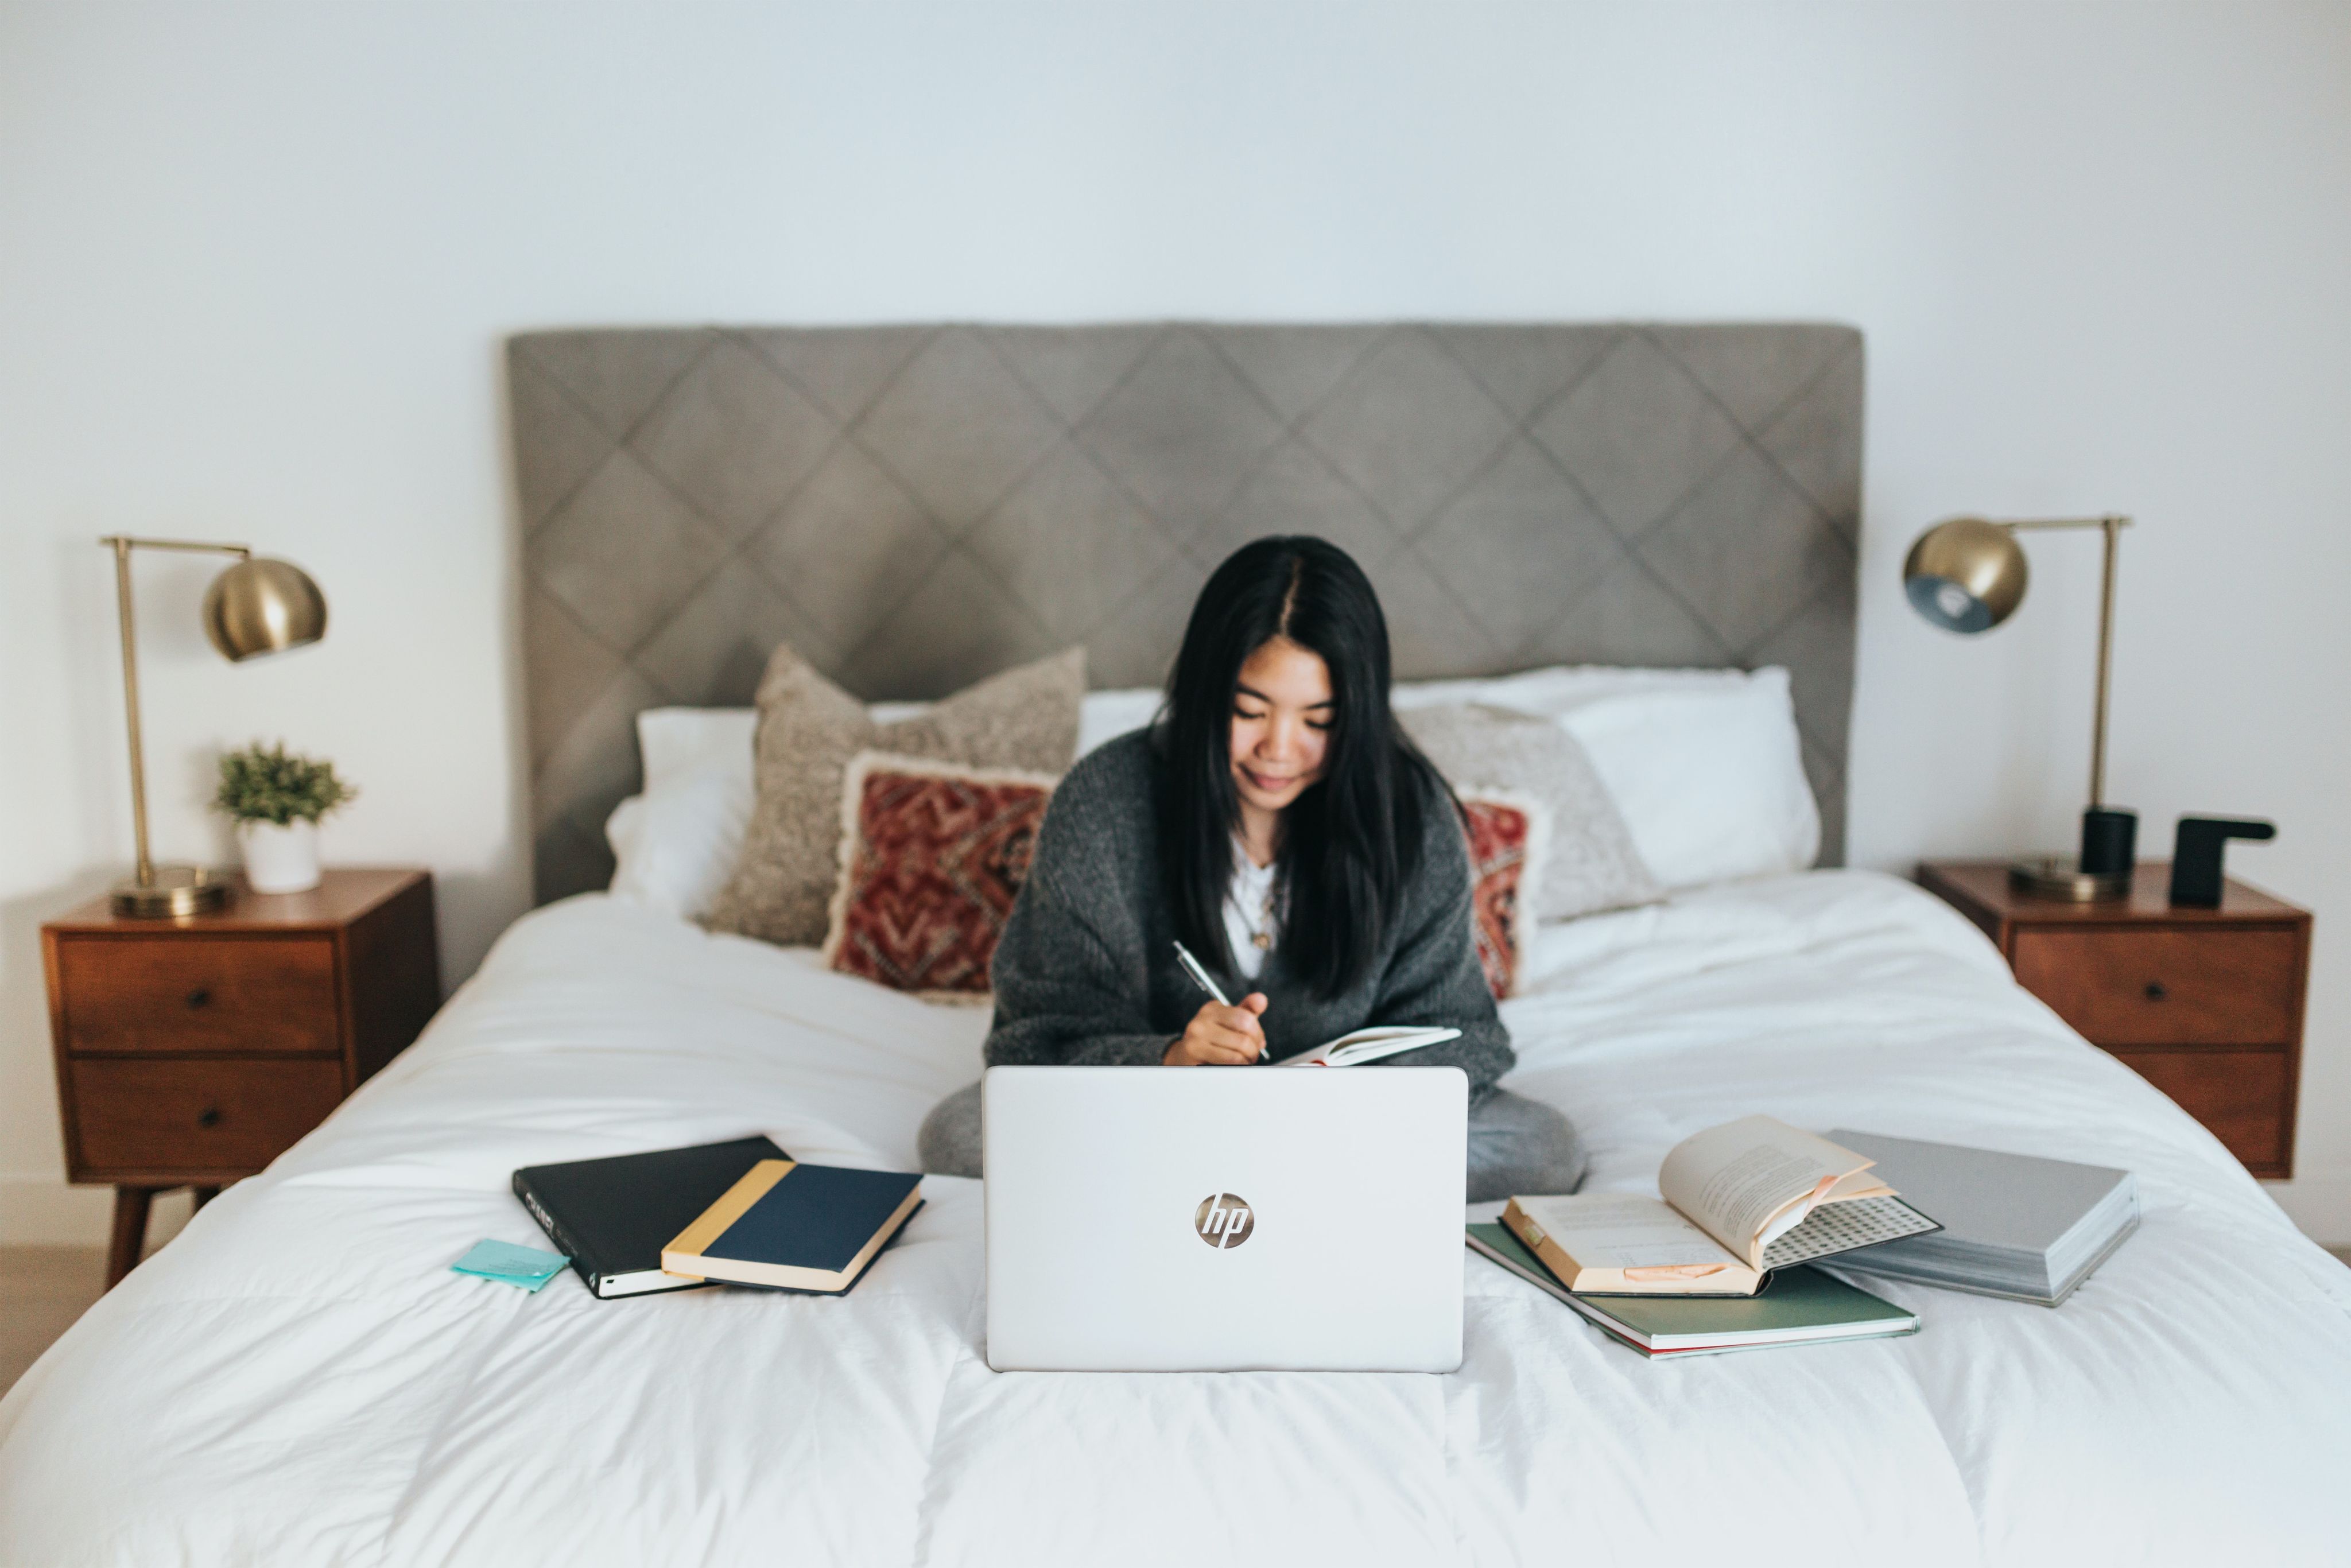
(916, 506)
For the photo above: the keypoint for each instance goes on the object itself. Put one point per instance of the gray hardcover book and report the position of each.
(2013, 1224)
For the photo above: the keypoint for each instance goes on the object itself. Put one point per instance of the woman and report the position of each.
(1277, 822)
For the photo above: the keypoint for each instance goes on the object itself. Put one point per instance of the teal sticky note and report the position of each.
(526, 1267)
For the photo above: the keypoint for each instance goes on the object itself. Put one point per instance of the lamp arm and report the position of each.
(2111, 525)
(2043, 525)
(122, 545)
(2113, 528)
(121, 548)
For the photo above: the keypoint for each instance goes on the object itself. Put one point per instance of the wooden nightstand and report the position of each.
(192, 1052)
(2205, 1004)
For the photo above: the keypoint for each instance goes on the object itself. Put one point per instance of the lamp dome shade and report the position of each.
(1965, 575)
(263, 606)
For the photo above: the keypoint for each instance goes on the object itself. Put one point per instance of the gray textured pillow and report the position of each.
(1592, 864)
(1024, 718)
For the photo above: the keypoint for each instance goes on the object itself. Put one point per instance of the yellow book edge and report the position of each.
(1727, 1280)
(685, 1257)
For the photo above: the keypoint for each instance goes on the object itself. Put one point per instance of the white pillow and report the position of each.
(1704, 764)
(675, 844)
(675, 741)
(1556, 689)
(1106, 716)
(1709, 776)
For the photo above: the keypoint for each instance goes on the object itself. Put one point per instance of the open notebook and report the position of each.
(1737, 1201)
(1369, 1045)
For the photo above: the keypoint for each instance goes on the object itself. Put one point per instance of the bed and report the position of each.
(299, 1379)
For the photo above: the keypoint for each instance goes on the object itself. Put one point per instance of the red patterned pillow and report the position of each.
(933, 855)
(1508, 836)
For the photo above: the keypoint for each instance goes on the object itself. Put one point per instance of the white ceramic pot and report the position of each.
(280, 859)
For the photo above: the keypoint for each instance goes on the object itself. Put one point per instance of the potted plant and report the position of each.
(275, 800)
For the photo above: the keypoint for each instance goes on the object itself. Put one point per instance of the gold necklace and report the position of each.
(1262, 928)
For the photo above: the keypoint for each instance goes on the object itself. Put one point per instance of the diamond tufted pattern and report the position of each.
(915, 506)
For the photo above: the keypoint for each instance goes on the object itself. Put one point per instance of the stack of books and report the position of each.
(2013, 1224)
(740, 1213)
(1794, 1306)
(1718, 1261)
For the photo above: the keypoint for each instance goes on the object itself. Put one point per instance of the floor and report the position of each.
(44, 1288)
(42, 1291)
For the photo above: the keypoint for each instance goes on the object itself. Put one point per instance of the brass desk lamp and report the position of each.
(1966, 575)
(257, 606)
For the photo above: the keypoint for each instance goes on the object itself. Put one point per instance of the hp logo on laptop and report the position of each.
(1224, 1220)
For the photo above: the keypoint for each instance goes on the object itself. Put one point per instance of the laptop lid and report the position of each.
(1151, 1219)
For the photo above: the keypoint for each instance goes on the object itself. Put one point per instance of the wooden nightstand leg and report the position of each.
(205, 1195)
(130, 1204)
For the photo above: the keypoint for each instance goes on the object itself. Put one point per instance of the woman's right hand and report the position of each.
(1220, 1036)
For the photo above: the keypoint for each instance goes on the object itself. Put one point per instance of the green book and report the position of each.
(1796, 1306)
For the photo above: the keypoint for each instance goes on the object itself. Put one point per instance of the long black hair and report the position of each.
(1351, 842)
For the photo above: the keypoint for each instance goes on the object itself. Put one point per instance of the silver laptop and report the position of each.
(1145, 1219)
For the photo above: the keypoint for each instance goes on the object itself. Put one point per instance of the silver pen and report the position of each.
(1192, 966)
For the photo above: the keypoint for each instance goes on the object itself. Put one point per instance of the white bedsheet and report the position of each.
(299, 1379)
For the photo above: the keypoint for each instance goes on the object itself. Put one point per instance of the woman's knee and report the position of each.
(1517, 1144)
(948, 1143)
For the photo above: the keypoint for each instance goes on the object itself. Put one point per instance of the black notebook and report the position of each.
(612, 1216)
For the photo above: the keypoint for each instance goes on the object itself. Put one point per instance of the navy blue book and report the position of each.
(793, 1227)
(610, 1216)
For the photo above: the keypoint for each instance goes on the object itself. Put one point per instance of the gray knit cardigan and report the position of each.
(1086, 970)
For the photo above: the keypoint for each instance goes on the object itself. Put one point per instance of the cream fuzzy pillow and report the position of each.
(1025, 718)
(1592, 863)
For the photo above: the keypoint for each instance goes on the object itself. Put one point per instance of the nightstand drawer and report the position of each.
(182, 993)
(2241, 1095)
(222, 1114)
(2166, 988)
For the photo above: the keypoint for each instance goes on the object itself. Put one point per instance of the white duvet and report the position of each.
(299, 1379)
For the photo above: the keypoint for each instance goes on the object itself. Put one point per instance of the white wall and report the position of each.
(256, 262)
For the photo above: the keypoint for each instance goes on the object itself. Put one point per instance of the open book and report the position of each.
(1368, 1045)
(1740, 1200)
